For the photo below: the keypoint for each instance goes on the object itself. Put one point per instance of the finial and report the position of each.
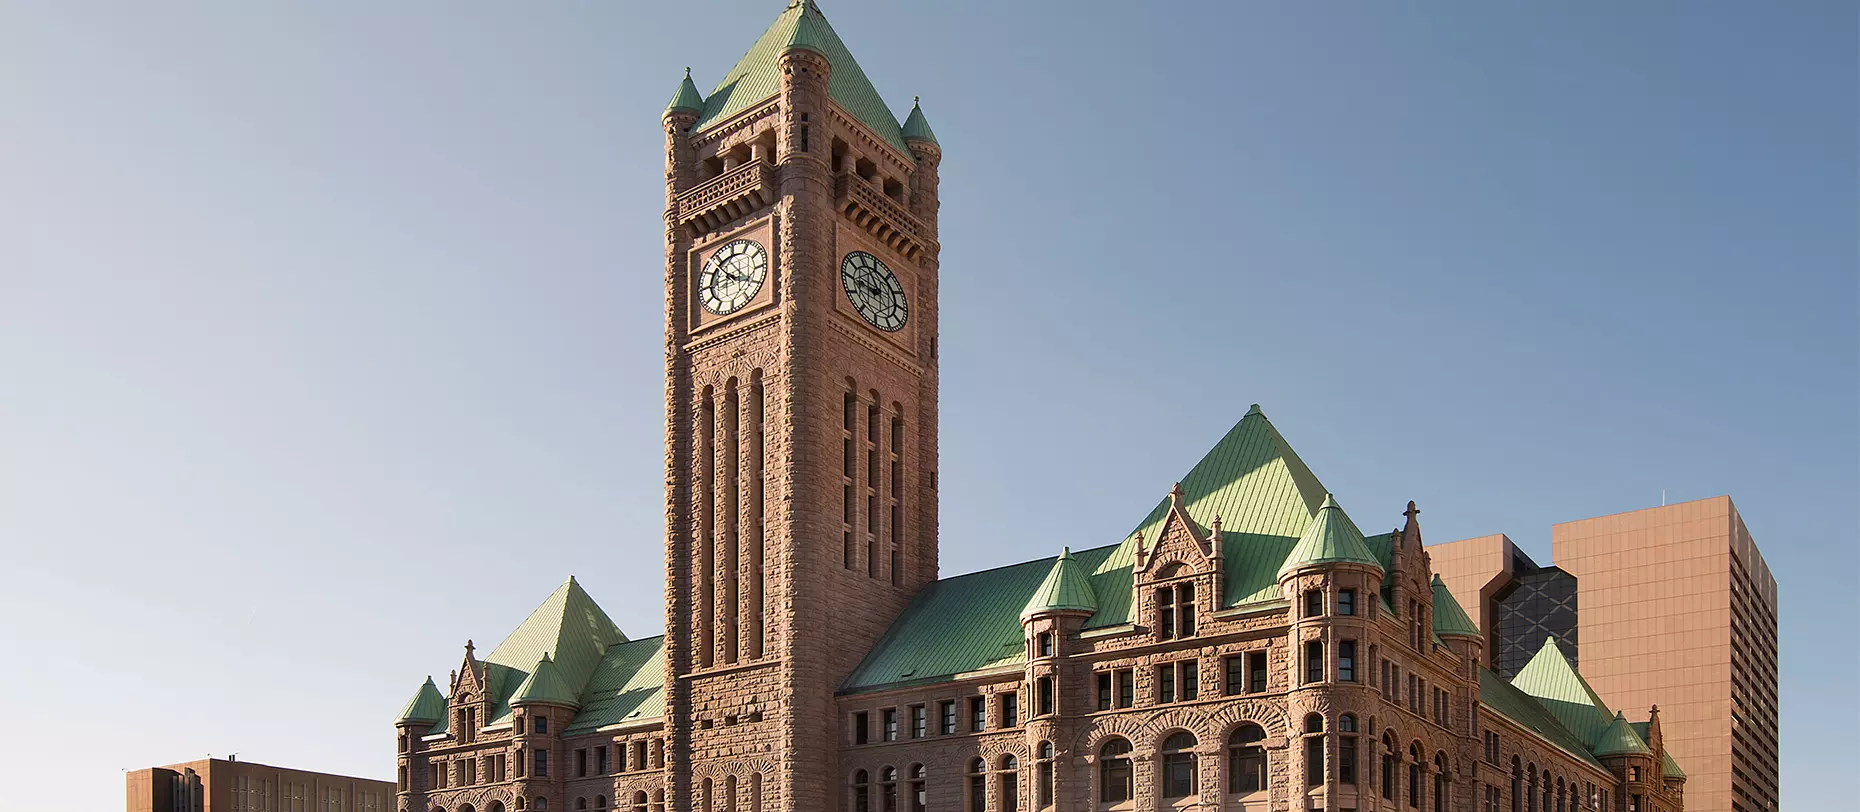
(687, 71)
(916, 100)
(468, 647)
(1254, 409)
(1175, 494)
(1412, 511)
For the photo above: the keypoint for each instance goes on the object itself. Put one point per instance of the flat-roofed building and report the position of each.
(230, 785)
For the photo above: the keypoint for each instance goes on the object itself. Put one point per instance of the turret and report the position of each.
(426, 709)
(1051, 619)
(929, 156)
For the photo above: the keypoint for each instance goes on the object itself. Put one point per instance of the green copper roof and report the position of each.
(1329, 538)
(1066, 589)
(1549, 679)
(544, 685)
(427, 705)
(629, 685)
(757, 77)
(916, 127)
(687, 97)
(1498, 695)
(1449, 618)
(1619, 739)
(1668, 766)
(569, 627)
(1251, 479)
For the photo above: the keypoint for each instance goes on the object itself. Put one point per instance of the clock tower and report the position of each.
(801, 396)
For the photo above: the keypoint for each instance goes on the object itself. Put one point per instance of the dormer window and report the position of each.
(1175, 611)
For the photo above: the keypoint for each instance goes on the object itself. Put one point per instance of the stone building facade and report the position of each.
(1246, 647)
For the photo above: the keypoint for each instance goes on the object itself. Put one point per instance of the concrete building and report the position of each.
(1242, 646)
(1673, 605)
(1518, 604)
(229, 785)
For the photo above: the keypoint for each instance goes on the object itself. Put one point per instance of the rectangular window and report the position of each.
(861, 724)
(1010, 709)
(541, 725)
(639, 755)
(1104, 690)
(1314, 661)
(581, 762)
(978, 714)
(1346, 661)
(1314, 602)
(946, 717)
(1346, 602)
(600, 760)
(1235, 672)
(1256, 671)
(1126, 687)
(1165, 683)
(1045, 645)
(435, 777)
(1190, 680)
(890, 718)
(1314, 760)
(1043, 696)
(1185, 609)
(1346, 760)
(920, 721)
(520, 763)
(541, 768)
(1385, 680)
(1165, 613)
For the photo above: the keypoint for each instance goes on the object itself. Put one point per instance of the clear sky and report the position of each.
(330, 332)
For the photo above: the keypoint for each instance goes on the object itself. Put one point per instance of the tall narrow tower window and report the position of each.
(755, 623)
(707, 517)
(730, 556)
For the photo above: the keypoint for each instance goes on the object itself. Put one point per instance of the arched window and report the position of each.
(581, 803)
(1314, 750)
(519, 805)
(600, 802)
(919, 799)
(888, 789)
(1114, 772)
(1562, 796)
(1346, 749)
(639, 801)
(1043, 775)
(755, 789)
(1389, 766)
(1414, 775)
(1010, 784)
(1546, 794)
(658, 795)
(729, 793)
(1440, 782)
(540, 804)
(1246, 760)
(861, 790)
(1178, 765)
(978, 786)
(1530, 788)
(1517, 785)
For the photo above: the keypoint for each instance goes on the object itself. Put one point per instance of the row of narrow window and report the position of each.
(1007, 707)
(880, 491)
(730, 457)
(495, 768)
(1532, 791)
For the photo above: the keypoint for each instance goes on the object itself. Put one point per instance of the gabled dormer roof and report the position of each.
(1619, 739)
(757, 76)
(1449, 618)
(544, 684)
(686, 98)
(1329, 538)
(1067, 588)
(427, 705)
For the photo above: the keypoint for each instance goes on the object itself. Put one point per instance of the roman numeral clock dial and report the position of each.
(733, 276)
(874, 291)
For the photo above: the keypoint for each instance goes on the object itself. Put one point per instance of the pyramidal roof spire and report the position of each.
(1449, 618)
(916, 127)
(1330, 538)
(756, 78)
(1619, 739)
(686, 98)
(1067, 588)
(544, 684)
(427, 705)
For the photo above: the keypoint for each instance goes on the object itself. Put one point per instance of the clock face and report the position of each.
(874, 291)
(733, 276)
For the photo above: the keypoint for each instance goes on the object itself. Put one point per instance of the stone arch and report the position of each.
(1230, 716)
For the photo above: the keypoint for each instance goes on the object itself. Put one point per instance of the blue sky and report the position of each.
(329, 332)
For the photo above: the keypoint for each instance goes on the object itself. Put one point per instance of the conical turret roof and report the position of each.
(687, 98)
(1619, 739)
(1330, 538)
(427, 705)
(544, 684)
(757, 76)
(916, 127)
(1067, 588)
(1449, 618)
